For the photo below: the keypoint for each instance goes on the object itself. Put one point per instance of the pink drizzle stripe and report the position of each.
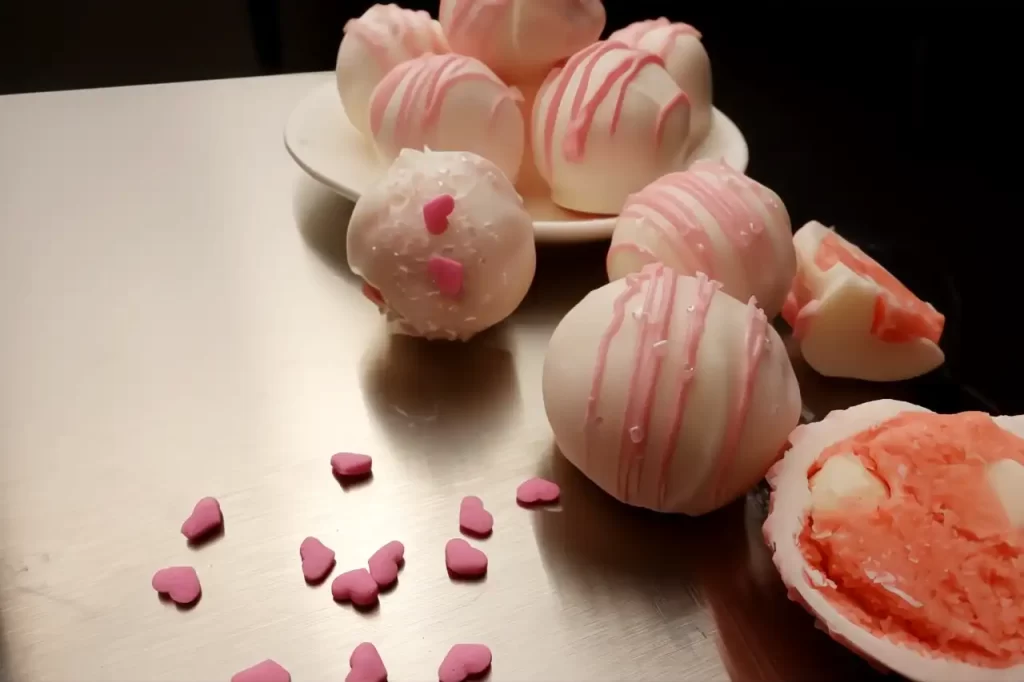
(655, 320)
(754, 345)
(695, 323)
(689, 239)
(428, 80)
(655, 325)
(583, 109)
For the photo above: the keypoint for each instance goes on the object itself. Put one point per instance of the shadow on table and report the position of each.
(565, 274)
(683, 572)
(322, 216)
(444, 398)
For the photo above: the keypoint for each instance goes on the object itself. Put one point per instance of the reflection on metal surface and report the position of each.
(169, 334)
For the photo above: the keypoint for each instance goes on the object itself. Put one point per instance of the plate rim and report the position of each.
(545, 231)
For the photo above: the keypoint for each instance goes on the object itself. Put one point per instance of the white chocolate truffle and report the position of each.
(852, 318)
(448, 103)
(606, 124)
(709, 219)
(667, 394)
(680, 47)
(444, 245)
(378, 41)
(521, 40)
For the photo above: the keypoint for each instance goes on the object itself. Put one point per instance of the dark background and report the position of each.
(895, 122)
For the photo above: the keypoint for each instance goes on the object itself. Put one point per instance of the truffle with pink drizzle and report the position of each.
(667, 393)
(710, 219)
(607, 123)
(448, 103)
(443, 244)
(521, 39)
(680, 47)
(381, 39)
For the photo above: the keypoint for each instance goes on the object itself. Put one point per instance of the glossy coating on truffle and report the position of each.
(667, 393)
(711, 219)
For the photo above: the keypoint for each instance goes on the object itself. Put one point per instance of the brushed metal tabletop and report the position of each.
(176, 321)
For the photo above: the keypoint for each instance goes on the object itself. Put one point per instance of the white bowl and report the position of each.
(320, 138)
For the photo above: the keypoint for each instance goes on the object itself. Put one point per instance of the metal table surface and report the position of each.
(177, 321)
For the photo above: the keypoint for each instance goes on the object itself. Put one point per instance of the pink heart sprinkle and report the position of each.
(206, 517)
(436, 212)
(385, 562)
(373, 294)
(464, 560)
(267, 671)
(351, 465)
(180, 583)
(447, 275)
(464, 661)
(366, 665)
(538, 491)
(473, 518)
(355, 586)
(317, 560)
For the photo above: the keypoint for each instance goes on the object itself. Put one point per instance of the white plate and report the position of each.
(320, 138)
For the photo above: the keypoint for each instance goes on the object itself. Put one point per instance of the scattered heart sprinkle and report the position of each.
(267, 671)
(351, 465)
(464, 661)
(366, 665)
(474, 519)
(180, 583)
(355, 586)
(464, 560)
(317, 560)
(537, 491)
(206, 517)
(385, 562)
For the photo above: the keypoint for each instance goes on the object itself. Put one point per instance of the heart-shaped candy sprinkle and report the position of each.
(473, 518)
(447, 275)
(180, 583)
(366, 665)
(206, 517)
(385, 562)
(537, 491)
(267, 671)
(464, 661)
(436, 212)
(351, 465)
(317, 560)
(464, 560)
(355, 586)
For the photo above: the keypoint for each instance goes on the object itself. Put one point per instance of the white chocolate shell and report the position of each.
(852, 318)
(711, 219)
(667, 393)
(521, 40)
(680, 47)
(605, 125)
(373, 44)
(448, 103)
